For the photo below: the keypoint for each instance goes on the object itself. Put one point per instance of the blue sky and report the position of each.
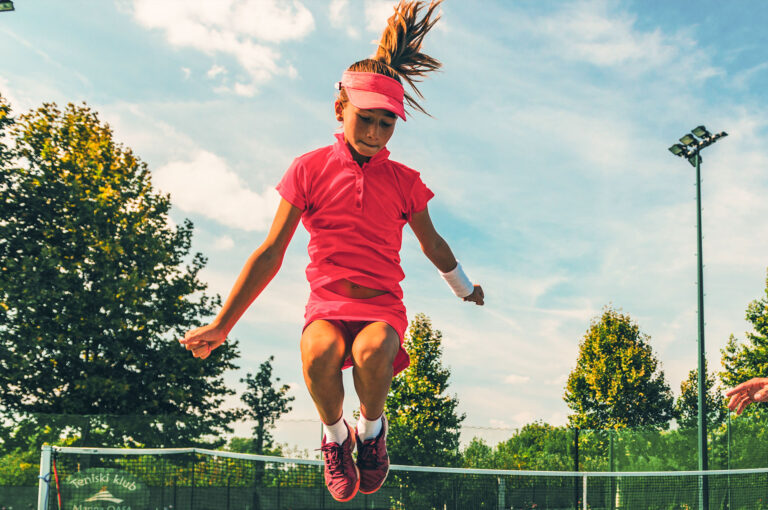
(547, 151)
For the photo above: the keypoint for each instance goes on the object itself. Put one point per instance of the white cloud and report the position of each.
(231, 27)
(246, 90)
(206, 186)
(216, 70)
(377, 12)
(338, 13)
(501, 424)
(597, 33)
(223, 243)
(271, 20)
(187, 72)
(10, 95)
(558, 381)
(742, 78)
(516, 379)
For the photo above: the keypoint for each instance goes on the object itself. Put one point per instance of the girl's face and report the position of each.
(365, 131)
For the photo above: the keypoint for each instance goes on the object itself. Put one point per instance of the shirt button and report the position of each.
(358, 203)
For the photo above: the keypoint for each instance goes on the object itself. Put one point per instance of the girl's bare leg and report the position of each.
(322, 354)
(373, 352)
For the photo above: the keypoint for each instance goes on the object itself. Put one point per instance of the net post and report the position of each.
(45, 473)
(575, 467)
(584, 493)
(502, 494)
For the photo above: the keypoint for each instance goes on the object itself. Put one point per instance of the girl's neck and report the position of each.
(359, 158)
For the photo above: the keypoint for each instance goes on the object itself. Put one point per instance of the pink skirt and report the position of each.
(327, 305)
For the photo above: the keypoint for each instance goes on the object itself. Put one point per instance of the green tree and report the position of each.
(424, 425)
(745, 361)
(248, 445)
(477, 455)
(536, 446)
(686, 410)
(95, 288)
(266, 403)
(617, 381)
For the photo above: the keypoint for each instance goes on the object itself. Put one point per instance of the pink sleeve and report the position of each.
(420, 195)
(292, 186)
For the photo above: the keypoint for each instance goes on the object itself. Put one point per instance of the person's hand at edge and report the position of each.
(477, 296)
(754, 390)
(202, 341)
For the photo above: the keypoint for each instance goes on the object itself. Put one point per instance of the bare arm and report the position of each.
(437, 250)
(259, 269)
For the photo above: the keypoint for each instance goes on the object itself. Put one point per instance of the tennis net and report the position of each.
(199, 479)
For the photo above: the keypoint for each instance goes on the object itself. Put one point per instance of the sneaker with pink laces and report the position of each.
(373, 461)
(341, 474)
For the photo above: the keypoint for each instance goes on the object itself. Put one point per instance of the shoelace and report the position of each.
(368, 455)
(333, 458)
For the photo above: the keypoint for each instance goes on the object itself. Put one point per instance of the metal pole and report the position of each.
(612, 468)
(43, 480)
(703, 492)
(192, 493)
(576, 467)
(729, 460)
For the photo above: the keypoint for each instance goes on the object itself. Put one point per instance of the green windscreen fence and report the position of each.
(196, 479)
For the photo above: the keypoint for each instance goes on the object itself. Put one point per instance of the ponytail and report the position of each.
(399, 53)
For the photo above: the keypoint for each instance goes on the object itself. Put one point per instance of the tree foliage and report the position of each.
(266, 403)
(424, 424)
(743, 361)
(686, 410)
(536, 446)
(617, 381)
(95, 288)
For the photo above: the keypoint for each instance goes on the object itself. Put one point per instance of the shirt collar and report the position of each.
(343, 152)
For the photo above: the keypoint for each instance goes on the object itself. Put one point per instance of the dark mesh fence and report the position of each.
(209, 480)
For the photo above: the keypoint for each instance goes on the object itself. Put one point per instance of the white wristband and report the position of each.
(458, 281)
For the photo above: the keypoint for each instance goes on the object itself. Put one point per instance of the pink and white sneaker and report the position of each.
(341, 474)
(372, 460)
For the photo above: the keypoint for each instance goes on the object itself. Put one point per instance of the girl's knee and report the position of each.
(322, 347)
(377, 344)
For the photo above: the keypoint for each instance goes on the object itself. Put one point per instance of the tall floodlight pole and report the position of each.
(690, 148)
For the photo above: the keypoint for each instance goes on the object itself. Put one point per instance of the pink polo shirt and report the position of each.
(354, 215)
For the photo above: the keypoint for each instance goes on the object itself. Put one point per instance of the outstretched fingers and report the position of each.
(754, 390)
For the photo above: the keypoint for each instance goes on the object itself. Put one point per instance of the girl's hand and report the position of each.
(202, 341)
(754, 390)
(477, 296)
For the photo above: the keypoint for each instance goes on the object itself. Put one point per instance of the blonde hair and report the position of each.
(399, 53)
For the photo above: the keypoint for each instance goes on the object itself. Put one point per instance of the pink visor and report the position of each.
(373, 90)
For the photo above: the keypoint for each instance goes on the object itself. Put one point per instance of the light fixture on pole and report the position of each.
(691, 150)
(6, 5)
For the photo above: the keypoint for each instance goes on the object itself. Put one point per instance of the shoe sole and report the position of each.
(354, 493)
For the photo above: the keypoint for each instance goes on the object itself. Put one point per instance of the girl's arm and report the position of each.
(258, 271)
(437, 250)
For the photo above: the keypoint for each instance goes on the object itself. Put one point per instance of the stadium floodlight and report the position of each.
(6, 5)
(676, 149)
(701, 132)
(688, 139)
(691, 150)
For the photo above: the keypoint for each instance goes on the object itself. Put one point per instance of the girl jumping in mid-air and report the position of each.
(354, 202)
